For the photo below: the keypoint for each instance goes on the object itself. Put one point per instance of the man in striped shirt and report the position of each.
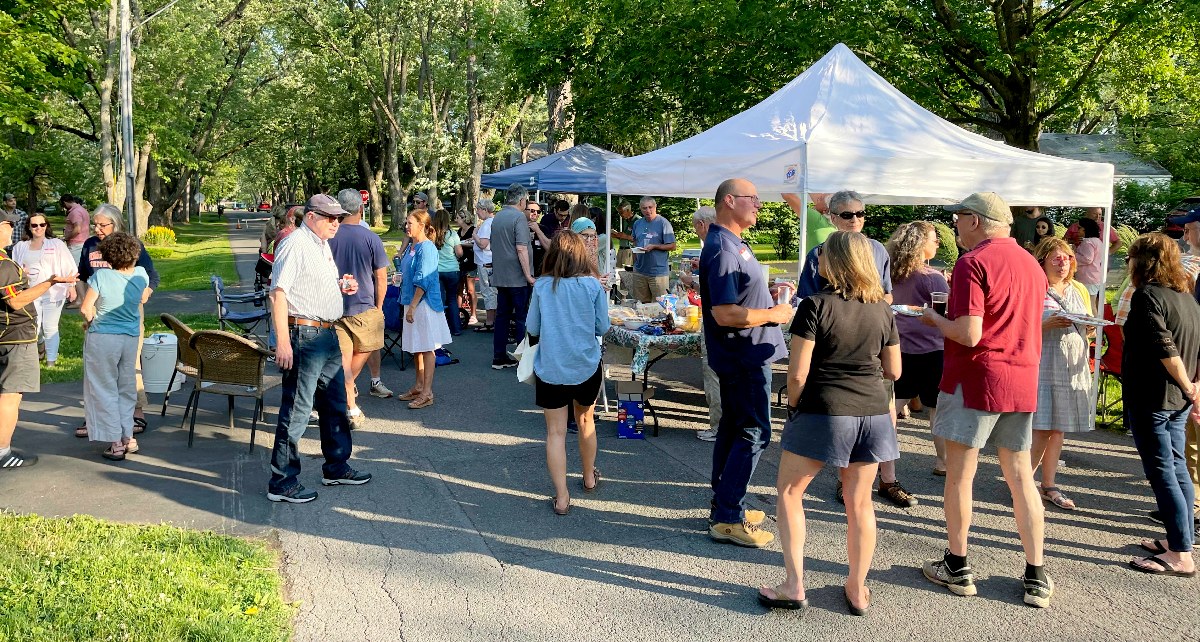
(306, 300)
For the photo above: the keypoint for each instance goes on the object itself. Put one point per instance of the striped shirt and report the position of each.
(305, 271)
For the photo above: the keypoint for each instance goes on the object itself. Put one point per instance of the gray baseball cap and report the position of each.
(324, 204)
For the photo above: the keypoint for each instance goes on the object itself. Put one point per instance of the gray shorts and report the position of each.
(977, 428)
(19, 369)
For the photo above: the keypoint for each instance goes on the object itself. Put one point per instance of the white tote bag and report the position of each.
(526, 354)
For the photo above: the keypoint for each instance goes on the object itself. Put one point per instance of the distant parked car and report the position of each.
(264, 207)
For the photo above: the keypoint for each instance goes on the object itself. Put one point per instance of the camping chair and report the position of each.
(232, 366)
(244, 321)
(1110, 366)
(393, 326)
(187, 362)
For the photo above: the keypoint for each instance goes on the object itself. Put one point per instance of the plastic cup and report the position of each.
(937, 301)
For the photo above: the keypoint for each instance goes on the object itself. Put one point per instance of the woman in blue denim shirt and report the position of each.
(568, 310)
(425, 328)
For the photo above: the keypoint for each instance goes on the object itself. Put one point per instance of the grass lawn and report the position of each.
(201, 249)
(82, 578)
(69, 366)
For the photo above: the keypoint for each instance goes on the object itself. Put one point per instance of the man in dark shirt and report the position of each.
(741, 331)
(19, 371)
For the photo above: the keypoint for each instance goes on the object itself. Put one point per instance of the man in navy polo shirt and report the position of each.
(741, 330)
(653, 241)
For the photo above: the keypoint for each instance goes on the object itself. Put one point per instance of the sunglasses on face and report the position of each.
(331, 217)
(846, 216)
(37, 225)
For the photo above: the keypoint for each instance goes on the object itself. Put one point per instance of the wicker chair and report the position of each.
(187, 362)
(233, 366)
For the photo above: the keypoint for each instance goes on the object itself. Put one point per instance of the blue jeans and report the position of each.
(512, 304)
(315, 380)
(449, 283)
(1160, 440)
(742, 434)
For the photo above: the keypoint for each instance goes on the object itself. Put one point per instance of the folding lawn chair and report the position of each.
(393, 326)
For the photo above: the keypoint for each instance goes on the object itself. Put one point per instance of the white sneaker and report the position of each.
(380, 390)
(707, 435)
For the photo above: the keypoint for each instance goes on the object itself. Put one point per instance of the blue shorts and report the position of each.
(840, 440)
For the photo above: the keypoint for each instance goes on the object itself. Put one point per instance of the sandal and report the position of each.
(592, 489)
(779, 602)
(131, 446)
(485, 328)
(1060, 500)
(114, 455)
(557, 511)
(81, 432)
(421, 403)
(409, 396)
(139, 425)
(1164, 567)
(1157, 548)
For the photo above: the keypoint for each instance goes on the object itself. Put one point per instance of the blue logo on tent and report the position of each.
(790, 175)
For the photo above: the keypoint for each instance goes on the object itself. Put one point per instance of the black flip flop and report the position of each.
(139, 425)
(854, 610)
(1157, 549)
(781, 603)
(1167, 568)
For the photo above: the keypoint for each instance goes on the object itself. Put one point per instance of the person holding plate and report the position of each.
(1064, 376)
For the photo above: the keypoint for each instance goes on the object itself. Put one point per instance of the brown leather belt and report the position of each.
(309, 322)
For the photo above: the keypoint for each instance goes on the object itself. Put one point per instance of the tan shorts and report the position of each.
(362, 332)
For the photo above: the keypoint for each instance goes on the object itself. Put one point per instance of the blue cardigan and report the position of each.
(419, 265)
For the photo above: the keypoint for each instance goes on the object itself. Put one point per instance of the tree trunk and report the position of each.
(370, 177)
(111, 43)
(477, 148)
(560, 124)
(142, 159)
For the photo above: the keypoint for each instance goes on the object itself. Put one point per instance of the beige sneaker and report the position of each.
(755, 517)
(744, 534)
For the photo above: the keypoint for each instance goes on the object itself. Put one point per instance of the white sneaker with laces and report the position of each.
(707, 435)
(380, 390)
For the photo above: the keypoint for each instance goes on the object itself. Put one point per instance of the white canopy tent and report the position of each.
(839, 125)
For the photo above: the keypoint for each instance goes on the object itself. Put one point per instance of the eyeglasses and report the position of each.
(102, 225)
(1061, 260)
(753, 198)
(331, 217)
(846, 216)
(956, 217)
(38, 225)
(589, 237)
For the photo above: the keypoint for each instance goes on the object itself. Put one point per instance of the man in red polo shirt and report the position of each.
(989, 386)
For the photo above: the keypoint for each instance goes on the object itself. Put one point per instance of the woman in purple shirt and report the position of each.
(913, 281)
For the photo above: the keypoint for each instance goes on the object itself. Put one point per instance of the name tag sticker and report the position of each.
(745, 254)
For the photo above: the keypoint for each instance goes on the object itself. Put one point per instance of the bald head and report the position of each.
(731, 188)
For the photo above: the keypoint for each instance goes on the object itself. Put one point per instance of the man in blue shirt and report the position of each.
(653, 240)
(741, 331)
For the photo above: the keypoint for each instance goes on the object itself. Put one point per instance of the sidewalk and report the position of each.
(244, 243)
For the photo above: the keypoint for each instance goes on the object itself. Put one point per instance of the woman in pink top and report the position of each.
(1088, 256)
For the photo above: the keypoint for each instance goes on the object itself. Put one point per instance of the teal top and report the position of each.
(447, 261)
(118, 307)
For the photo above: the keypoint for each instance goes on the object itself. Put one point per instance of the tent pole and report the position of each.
(608, 232)
(537, 196)
(1104, 257)
(803, 254)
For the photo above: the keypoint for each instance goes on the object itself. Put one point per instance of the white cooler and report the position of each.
(158, 363)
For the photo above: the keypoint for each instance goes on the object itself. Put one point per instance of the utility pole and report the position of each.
(127, 117)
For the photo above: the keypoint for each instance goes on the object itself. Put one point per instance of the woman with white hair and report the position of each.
(107, 220)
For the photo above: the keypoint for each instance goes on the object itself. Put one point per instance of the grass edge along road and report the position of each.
(81, 578)
(201, 249)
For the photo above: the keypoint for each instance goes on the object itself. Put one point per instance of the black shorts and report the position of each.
(551, 396)
(920, 375)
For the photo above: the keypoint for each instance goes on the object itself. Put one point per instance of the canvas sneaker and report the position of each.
(17, 459)
(1037, 592)
(350, 478)
(380, 390)
(296, 495)
(961, 582)
(743, 534)
(709, 434)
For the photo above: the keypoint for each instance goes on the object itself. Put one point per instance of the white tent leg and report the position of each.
(1104, 245)
(803, 254)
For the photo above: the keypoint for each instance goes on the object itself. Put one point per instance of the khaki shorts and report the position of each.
(362, 332)
(19, 369)
(647, 288)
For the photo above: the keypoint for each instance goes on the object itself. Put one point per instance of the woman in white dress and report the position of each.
(425, 328)
(41, 257)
